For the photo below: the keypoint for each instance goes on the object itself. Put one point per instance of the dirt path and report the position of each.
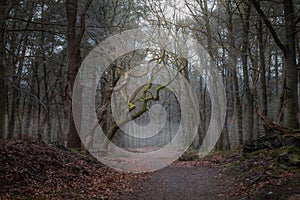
(182, 183)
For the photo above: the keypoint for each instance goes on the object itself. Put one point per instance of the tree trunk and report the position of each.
(276, 75)
(29, 111)
(74, 62)
(291, 67)
(38, 93)
(247, 89)
(47, 117)
(232, 57)
(3, 12)
(262, 69)
(12, 120)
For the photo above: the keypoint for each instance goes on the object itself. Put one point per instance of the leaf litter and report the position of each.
(41, 171)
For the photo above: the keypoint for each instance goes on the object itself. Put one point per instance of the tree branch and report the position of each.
(82, 19)
(268, 24)
(297, 20)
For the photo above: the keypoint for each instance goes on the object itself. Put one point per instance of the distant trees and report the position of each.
(42, 44)
(245, 47)
(33, 46)
(288, 47)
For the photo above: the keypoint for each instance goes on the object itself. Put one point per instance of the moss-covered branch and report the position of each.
(146, 96)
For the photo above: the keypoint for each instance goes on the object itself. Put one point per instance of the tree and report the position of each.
(74, 58)
(3, 15)
(263, 69)
(289, 50)
(245, 16)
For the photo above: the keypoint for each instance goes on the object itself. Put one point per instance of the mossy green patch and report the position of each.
(231, 164)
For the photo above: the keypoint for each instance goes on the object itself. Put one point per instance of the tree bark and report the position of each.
(74, 60)
(3, 13)
(291, 67)
(262, 69)
(232, 57)
(30, 110)
(247, 89)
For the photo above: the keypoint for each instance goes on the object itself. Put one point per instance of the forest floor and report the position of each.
(219, 177)
(31, 170)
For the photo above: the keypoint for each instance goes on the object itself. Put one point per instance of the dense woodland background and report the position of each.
(255, 45)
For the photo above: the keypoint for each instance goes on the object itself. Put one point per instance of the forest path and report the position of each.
(180, 182)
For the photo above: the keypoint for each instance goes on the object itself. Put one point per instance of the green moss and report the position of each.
(255, 153)
(231, 164)
(75, 150)
(212, 155)
(286, 158)
(276, 170)
(292, 153)
(286, 149)
(259, 169)
(189, 156)
(295, 169)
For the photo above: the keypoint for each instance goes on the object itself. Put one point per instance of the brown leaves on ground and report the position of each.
(262, 175)
(40, 171)
(30, 170)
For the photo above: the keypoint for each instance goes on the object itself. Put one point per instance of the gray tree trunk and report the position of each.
(291, 67)
(247, 89)
(262, 70)
(3, 12)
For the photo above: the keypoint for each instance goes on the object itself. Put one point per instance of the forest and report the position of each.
(98, 96)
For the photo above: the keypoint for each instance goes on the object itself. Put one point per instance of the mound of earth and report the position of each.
(41, 171)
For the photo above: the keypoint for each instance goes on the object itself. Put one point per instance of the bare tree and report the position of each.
(3, 15)
(289, 50)
(245, 16)
(74, 58)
